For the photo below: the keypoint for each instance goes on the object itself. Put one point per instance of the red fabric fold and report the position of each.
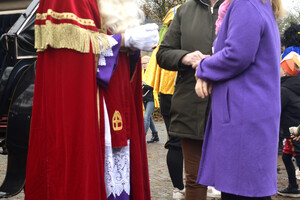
(140, 186)
(65, 160)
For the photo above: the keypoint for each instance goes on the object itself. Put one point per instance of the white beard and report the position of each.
(119, 15)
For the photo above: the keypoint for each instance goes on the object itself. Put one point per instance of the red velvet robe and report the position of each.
(66, 147)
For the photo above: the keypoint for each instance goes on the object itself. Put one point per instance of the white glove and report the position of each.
(144, 37)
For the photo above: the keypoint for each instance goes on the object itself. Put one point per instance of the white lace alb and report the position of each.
(108, 52)
(117, 163)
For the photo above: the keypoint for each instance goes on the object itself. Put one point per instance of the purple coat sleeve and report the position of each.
(236, 45)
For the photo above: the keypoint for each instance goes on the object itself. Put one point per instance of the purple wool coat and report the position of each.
(241, 138)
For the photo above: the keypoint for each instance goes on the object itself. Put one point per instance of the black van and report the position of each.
(17, 73)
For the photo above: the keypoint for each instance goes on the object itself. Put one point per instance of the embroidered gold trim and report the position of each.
(68, 36)
(64, 15)
(117, 122)
(103, 28)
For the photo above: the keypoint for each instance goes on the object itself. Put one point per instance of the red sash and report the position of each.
(117, 101)
(123, 98)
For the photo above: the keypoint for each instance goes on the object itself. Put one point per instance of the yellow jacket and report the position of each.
(162, 81)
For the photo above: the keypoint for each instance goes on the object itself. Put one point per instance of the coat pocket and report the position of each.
(226, 109)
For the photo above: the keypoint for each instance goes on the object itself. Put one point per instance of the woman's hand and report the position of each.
(192, 58)
(203, 88)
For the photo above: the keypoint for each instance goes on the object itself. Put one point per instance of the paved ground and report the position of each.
(161, 186)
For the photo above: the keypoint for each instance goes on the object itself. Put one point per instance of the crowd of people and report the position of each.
(236, 74)
(290, 106)
(216, 66)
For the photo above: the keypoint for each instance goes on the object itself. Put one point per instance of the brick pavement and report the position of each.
(160, 183)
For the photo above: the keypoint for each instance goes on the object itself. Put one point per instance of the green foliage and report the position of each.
(157, 9)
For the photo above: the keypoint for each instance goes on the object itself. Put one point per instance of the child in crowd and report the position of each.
(290, 117)
(295, 132)
(148, 100)
(290, 101)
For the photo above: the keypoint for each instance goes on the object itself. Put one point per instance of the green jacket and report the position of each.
(193, 28)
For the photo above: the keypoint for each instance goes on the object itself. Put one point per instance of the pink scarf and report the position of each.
(222, 11)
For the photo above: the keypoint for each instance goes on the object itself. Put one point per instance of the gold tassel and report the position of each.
(68, 36)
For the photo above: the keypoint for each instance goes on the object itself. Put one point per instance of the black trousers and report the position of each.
(174, 155)
(290, 168)
(165, 105)
(226, 196)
